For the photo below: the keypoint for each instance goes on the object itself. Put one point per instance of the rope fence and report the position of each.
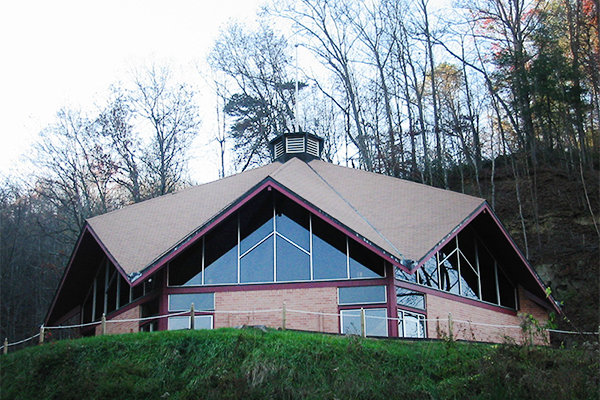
(284, 310)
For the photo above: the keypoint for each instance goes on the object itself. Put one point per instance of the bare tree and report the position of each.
(260, 98)
(169, 108)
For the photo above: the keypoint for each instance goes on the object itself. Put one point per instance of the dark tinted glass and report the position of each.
(468, 264)
(257, 265)
(220, 254)
(186, 268)
(364, 263)
(507, 291)
(293, 264)
(488, 275)
(329, 252)
(124, 298)
(292, 222)
(256, 221)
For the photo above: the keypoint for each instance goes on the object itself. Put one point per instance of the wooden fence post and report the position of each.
(283, 316)
(103, 324)
(42, 334)
(363, 323)
(192, 315)
(5, 349)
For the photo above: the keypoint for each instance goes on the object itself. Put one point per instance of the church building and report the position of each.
(303, 244)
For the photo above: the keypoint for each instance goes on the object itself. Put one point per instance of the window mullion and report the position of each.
(497, 283)
(347, 259)
(94, 298)
(458, 257)
(239, 243)
(106, 287)
(203, 255)
(480, 294)
(274, 244)
(310, 246)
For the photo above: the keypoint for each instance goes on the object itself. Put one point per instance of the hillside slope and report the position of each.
(252, 364)
(560, 238)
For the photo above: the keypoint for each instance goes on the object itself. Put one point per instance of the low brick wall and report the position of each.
(113, 328)
(321, 300)
(440, 308)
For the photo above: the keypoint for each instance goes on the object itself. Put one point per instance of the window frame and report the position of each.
(366, 310)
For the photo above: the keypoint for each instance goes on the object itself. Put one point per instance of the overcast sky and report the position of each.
(67, 53)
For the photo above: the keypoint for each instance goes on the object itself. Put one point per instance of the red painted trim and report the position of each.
(392, 303)
(109, 255)
(163, 304)
(133, 304)
(274, 286)
(522, 257)
(267, 184)
(164, 259)
(455, 297)
(359, 306)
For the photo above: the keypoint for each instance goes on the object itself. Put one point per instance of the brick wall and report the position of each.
(323, 300)
(439, 308)
(113, 328)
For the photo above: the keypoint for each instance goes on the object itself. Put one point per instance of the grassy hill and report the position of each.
(252, 364)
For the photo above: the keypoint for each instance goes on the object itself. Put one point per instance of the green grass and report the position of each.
(251, 364)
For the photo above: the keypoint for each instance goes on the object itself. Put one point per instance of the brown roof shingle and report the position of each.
(403, 218)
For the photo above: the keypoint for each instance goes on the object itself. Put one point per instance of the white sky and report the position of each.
(67, 53)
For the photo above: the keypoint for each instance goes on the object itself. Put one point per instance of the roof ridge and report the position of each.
(399, 253)
(406, 181)
(177, 192)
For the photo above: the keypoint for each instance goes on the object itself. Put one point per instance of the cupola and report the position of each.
(303, 145)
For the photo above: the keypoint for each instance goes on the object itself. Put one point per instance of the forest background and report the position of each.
(494, 98)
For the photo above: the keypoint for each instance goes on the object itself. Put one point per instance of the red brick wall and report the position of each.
(113, 328)
(437, 326)
(322, 300)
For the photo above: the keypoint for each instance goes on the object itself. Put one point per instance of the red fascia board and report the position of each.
(522, 257)
(268, 184)
(449, 237)
(455, 297)
(248, 287)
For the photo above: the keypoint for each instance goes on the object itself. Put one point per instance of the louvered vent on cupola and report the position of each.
(303, 145)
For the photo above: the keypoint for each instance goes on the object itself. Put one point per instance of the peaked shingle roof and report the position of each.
(403, 218)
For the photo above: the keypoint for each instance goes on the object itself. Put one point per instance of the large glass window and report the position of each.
(362, 295)
(273, 239)
(183, 302)
(465, 267)
(200, 322)
(221, 254)
(411, 325)
(410, 298)
(293, 262)
(375, 322)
